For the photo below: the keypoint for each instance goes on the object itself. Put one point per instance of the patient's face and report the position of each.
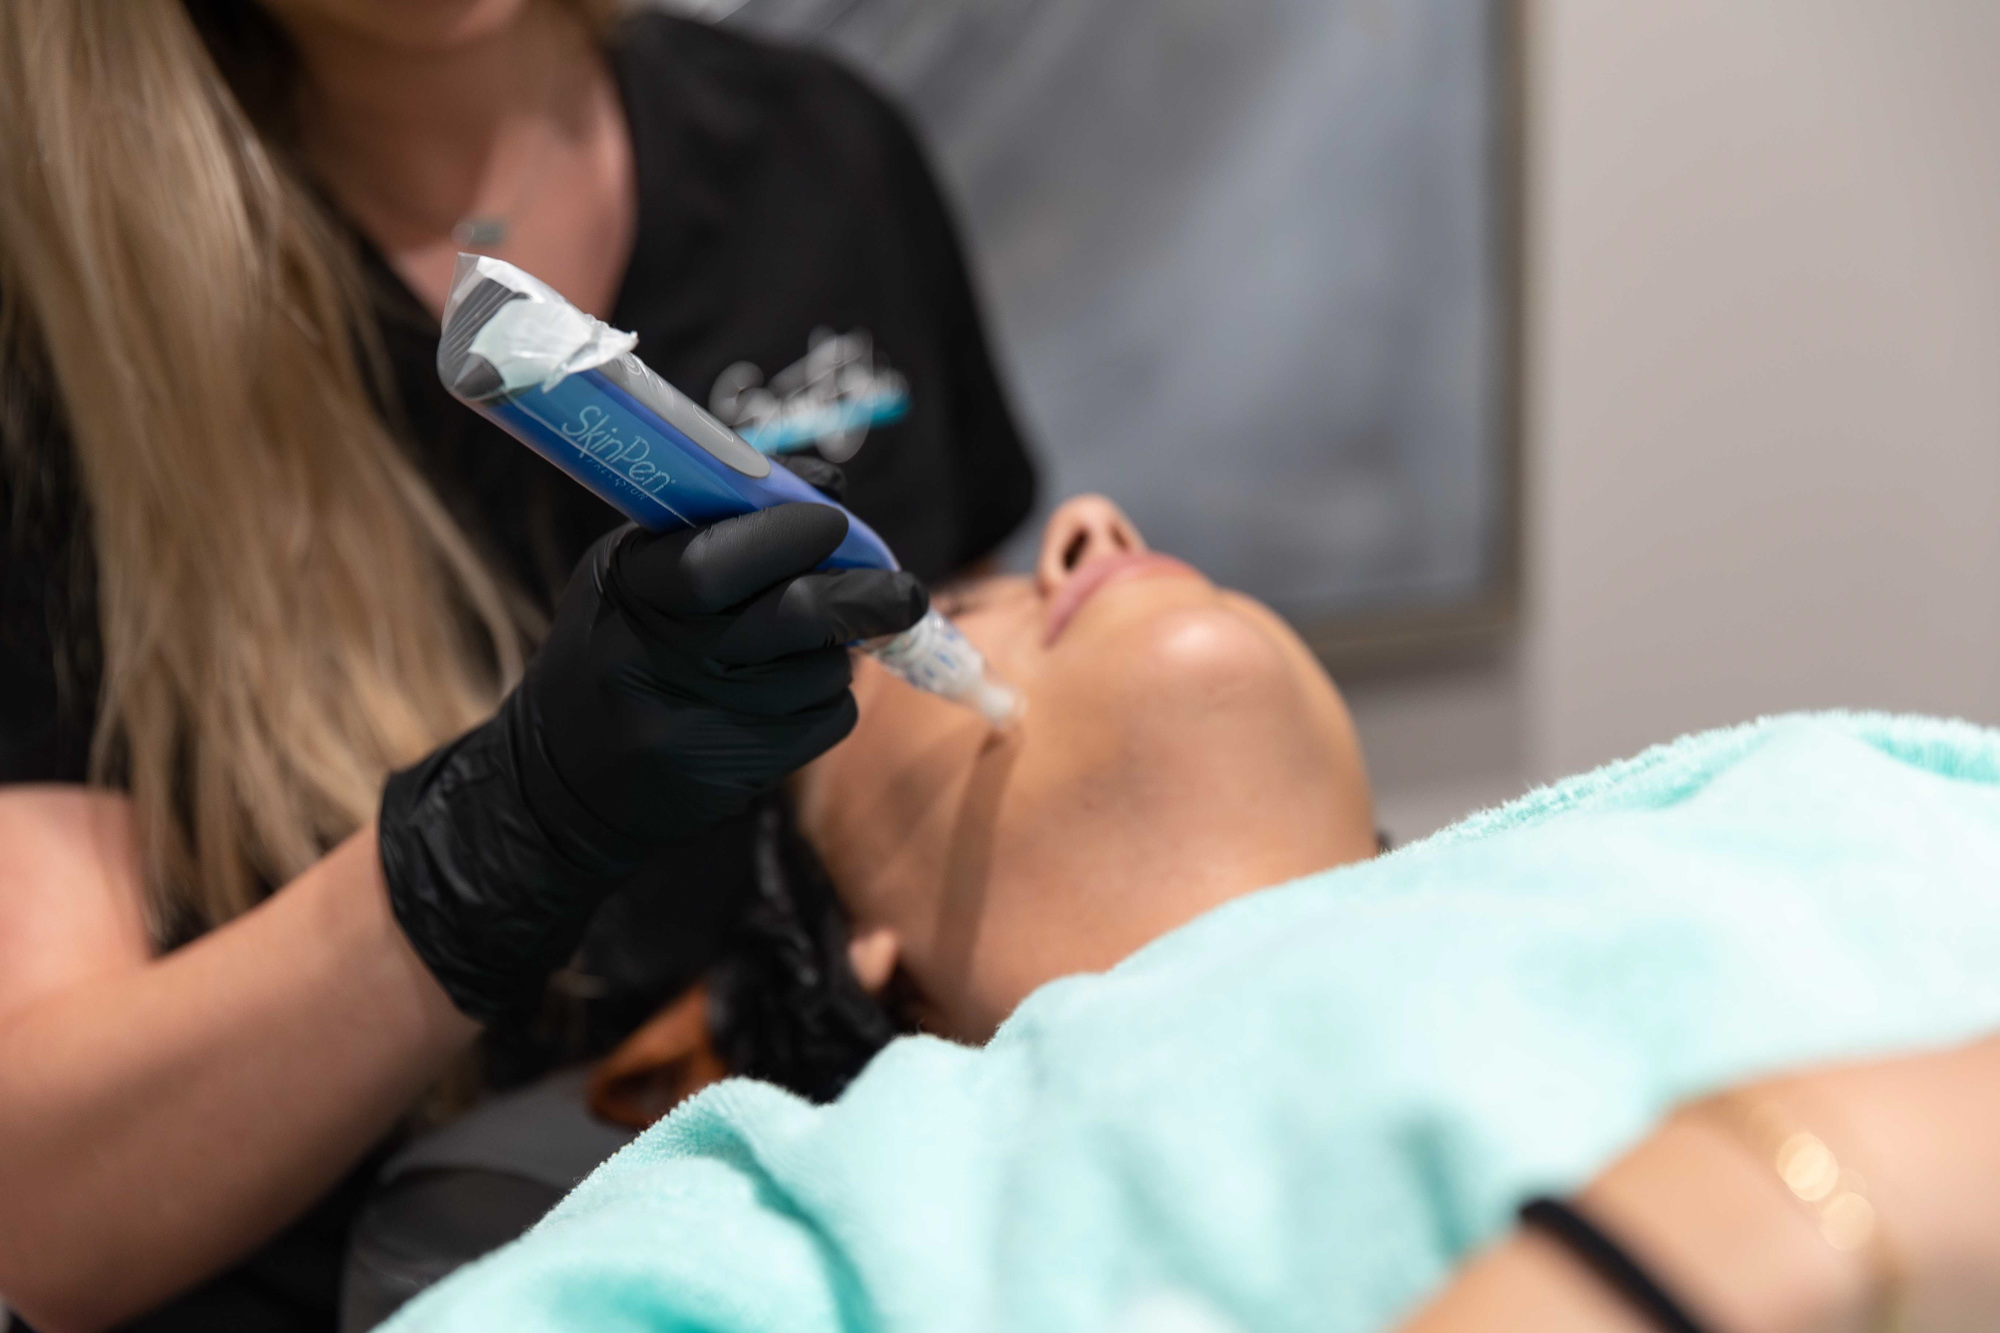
(1180, 747)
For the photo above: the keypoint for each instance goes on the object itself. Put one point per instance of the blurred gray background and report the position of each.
(1762, 410)
(1241, 261)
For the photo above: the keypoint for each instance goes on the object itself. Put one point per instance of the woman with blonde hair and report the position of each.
(256, 561)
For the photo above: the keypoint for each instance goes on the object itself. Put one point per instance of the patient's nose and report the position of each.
(1083, 529)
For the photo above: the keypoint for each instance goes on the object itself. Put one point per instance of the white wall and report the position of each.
(1764, 389)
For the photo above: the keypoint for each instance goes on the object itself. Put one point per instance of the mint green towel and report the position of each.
(1300, 1110)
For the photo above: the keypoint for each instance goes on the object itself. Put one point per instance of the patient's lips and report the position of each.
(1087, 581)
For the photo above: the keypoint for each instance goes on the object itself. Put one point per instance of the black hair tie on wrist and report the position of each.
(1609, 1260)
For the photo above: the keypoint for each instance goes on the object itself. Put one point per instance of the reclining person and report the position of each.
(1180, 748)
(1233, 763)
(1298, 1107)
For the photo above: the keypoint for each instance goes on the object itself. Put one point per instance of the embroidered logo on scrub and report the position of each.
(830, 397)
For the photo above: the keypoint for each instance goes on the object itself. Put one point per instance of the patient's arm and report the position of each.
(1699, 1214)
(1707, 1215)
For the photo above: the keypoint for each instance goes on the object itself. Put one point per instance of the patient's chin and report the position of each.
(1205, 657)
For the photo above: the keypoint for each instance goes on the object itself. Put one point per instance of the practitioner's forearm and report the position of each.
(156, 1124)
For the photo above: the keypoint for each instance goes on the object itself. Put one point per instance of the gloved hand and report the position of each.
(686, 673)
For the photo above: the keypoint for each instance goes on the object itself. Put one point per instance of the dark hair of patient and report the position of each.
(784, 1004)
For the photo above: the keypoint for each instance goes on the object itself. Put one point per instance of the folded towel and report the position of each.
(1301, 1109)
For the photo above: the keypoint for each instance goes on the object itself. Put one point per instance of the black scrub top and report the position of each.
(794, 268)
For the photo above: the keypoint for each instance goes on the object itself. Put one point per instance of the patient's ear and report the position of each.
(873, 954)
(669, 1059)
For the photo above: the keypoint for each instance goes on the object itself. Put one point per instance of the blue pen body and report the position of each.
(568, 387)
(654, 472)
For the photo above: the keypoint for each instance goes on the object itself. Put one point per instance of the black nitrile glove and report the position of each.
(686, 673)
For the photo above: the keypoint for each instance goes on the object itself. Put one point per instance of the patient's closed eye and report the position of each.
(951, 603)
(974, 596)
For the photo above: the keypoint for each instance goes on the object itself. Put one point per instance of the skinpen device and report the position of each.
(567, 386)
